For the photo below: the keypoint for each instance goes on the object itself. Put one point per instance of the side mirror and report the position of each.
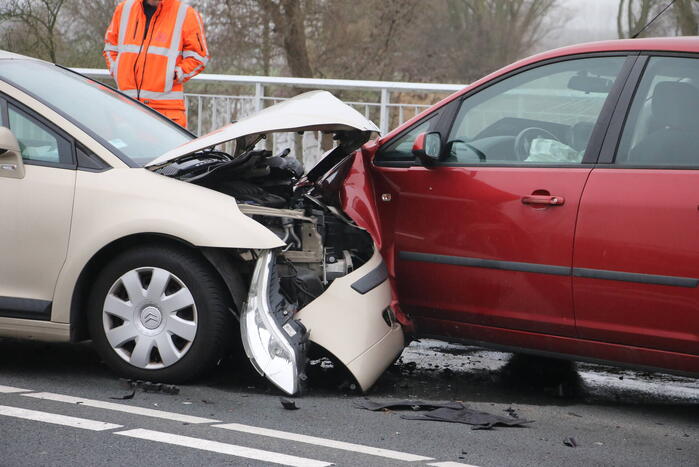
(428, 147)
(11, 165)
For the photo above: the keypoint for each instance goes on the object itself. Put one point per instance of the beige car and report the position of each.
(118, 226)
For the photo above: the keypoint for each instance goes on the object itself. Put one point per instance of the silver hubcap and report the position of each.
(150, 318)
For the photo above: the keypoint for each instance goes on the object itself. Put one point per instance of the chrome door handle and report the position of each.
(11, 167)
(543, 200)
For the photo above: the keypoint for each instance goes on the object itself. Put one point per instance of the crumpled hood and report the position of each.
(311, 111)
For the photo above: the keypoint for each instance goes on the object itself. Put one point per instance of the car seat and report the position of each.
(675, 137)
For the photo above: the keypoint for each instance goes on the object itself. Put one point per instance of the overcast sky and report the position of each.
(589, 20)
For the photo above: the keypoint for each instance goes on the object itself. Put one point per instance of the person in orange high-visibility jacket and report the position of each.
(152, 47)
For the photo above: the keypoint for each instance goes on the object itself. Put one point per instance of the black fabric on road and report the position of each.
(453, 412)
(406, 404)
(480, 420)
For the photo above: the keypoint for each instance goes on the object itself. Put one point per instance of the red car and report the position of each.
(550, 207)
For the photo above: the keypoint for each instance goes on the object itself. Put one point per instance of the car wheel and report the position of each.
(159, 314)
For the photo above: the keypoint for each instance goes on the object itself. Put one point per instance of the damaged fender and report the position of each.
(353, 321)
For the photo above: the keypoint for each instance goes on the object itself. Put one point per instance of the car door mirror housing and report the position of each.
(11, 165)
(428, 147)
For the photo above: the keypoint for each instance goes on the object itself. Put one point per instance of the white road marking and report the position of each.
(121, 408)
(329, 443)
(222, 448)
(450, 464)
(56, 419)
(10, 389)
(690, 391)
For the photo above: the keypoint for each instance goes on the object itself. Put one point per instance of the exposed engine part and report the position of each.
(252, 210)
(311, 250)
(322, 244)
(247, 192)
(290, 237)
(337, 267)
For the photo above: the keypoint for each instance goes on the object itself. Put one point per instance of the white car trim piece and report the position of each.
(328, 443)
(121, 408)
(222, 448)
(56, 419)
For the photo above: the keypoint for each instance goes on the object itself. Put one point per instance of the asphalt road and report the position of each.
(58, 407)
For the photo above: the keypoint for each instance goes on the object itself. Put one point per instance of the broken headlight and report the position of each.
(273, 341)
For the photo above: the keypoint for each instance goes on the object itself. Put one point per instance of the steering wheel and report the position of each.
(524, 139)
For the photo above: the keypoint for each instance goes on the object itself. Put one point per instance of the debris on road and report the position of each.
(406, 404)
(147, 386)
(288, 404)
(570, 442)
(454, 412)
(125, 396)
(479, 420)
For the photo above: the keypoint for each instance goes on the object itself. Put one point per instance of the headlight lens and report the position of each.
(266, 343)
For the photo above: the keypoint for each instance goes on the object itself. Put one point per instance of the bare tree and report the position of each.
(289, 24)
(686, 13)
(461, 40)
(38, 18)
(634, 15)
(84, 23)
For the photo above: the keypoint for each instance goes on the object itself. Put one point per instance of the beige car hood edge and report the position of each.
(311, 111)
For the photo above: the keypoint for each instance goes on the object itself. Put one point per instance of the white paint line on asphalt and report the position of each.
(121, 408)
(642, 385)
(222, 448)
(450, 464)
(10, 389)
(329, 443)
(56, 419)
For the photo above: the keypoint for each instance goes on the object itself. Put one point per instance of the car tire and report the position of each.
(170, 337)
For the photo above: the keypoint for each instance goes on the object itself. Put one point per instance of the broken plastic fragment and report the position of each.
(288, 404)
(570, 442)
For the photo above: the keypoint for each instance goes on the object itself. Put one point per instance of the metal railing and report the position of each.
(221, 99)
(383, 106)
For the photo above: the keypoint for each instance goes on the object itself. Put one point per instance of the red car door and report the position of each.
(636, 264)
(484, 238)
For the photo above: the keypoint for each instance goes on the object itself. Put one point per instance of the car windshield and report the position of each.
(128, 129)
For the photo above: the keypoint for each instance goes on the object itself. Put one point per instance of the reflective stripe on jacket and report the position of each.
(146, 67)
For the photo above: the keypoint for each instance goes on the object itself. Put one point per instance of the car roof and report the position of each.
(667, 44)
(649, 44)
(4, 54)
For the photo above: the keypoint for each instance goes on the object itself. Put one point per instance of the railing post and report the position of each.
(383, 115)
(259, 94)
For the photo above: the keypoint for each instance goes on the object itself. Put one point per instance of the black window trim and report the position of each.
(435, 117)
(598, 133)
(607, 159)
(4, 114)
(43, 122)
(103, 166)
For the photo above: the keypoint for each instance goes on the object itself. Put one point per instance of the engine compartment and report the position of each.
(322, 244)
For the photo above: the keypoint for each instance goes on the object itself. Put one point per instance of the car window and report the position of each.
(544, 115)
(36, 141)
(662, 127)
(401, 149)
(122, 125)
